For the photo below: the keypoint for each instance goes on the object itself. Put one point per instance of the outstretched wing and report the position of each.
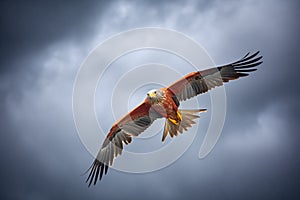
(200, 82)
(132, 124)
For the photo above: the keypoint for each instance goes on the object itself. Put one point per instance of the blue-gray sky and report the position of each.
(42, 46)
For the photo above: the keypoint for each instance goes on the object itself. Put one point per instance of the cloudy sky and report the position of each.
(42, 47)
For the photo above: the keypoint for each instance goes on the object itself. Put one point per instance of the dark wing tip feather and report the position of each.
(247, 64)
(97, 168)
(240, 68)
(243, 74)
(247, 70)
(246, 55)
(97, 174)
(106, 169)
(248, 61)
(92, 173)
(246, 58)
(101, 173)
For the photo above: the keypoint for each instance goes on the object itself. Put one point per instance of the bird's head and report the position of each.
(155, 95)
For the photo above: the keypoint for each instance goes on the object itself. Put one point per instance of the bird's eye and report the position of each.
(154, 92)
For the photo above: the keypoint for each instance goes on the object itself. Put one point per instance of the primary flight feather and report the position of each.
(164, 103)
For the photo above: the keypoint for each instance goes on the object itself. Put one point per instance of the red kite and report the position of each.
(164, 103)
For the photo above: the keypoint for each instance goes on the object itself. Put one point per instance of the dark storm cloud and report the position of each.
(42, 45)
(29, 29)
(30, 26)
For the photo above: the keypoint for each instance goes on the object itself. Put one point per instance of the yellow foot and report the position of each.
(176, 121)
(179, 116)
(173, 121)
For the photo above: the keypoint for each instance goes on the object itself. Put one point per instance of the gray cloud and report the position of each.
(42, 46)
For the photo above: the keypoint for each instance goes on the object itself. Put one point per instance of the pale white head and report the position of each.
(155, 95)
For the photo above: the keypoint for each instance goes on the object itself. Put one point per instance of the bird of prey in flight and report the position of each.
(164, 103)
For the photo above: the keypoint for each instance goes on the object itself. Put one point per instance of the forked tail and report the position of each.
(188, 117)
